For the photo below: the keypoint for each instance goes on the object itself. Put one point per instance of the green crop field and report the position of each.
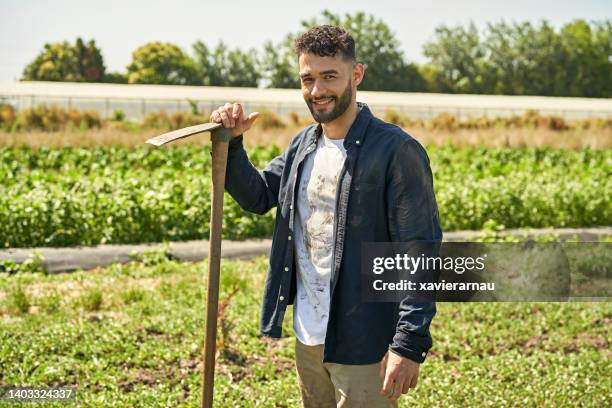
(131, 335)
(87, 196)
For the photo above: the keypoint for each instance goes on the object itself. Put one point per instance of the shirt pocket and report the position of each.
(364, 204)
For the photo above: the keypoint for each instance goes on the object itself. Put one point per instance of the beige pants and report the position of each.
(333, 385)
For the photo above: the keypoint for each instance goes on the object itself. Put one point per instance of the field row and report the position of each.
(76, 196)
(131, 335)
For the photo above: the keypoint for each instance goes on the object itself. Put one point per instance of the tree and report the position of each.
(378, 49)
(458, 60)
(65, 62)
(115, 78)
(375, 46)
(279, 64)
(522, 59)
(162, 63)
(588, 67)
(225, 67)
(602, 41)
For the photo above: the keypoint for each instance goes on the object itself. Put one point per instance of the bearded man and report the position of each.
(348, 179)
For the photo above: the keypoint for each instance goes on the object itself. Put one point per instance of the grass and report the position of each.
(141, 343)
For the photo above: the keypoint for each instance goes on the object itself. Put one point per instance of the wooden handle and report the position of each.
(219, 162)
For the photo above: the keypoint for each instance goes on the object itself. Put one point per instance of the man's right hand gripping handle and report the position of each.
(231, 115)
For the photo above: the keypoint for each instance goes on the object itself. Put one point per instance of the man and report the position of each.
(351, 178)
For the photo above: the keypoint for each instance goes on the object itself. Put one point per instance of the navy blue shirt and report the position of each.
(385, 194)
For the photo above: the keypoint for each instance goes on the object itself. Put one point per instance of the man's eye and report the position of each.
(329, 77)
(306, 80)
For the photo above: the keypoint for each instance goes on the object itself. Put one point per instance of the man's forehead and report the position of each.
(311, 64)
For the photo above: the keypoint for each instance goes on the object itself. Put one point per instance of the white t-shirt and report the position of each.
(314, 226)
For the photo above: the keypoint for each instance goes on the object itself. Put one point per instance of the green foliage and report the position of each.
(225, 67)
(505, 58)
(80, 196)
(378, 49)
(8, 114)
(522, 59)
(18, 301)
(133, 295)
(91, 300)
(161, 63)
(484, 354)
(77, 196)
(51, 303)
(33, 264)
(66, 62)
(118, 115)
(115, 78)
(279, 64)
(151, 257)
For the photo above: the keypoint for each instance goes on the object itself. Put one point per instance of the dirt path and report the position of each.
(74, 258)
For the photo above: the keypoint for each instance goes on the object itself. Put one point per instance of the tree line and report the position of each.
(503, 58)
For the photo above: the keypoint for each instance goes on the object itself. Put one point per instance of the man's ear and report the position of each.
(358, 73)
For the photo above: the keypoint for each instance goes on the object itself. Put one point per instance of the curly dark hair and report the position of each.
(326, 41)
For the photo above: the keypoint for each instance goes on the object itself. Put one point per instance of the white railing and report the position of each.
(135, 101)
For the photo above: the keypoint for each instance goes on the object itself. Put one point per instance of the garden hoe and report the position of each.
(220, 138)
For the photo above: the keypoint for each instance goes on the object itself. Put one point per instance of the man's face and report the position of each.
(327, 85)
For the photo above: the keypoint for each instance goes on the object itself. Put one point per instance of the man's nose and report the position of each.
(317, 89)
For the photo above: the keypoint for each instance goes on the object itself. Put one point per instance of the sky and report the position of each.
(119, 27)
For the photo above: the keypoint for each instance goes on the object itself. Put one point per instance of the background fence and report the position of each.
(137, 100)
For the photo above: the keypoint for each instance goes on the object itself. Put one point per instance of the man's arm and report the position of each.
(254, 190)
(412, 214)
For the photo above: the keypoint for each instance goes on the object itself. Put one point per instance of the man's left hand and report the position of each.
(398, 374)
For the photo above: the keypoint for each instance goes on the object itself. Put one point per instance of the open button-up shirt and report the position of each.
(385, 194)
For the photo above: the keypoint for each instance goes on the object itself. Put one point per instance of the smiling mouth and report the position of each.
(322, 102)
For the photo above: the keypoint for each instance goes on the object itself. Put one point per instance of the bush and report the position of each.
(118, 115)
(54, 118)
(18, 302)
(177, 120)
(394, 117)
(444, 121)
(269, 120)
(7, 116)
(132, 295)
(91, 300)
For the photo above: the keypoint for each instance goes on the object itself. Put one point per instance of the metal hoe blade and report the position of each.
(182, 133)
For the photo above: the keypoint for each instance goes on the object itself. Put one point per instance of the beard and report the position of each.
(340, 106)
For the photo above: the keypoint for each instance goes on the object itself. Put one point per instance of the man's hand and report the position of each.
(232, 117)
(398, 375)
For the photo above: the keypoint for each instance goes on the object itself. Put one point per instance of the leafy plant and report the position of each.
(18, 300)
(79, 196)
(91, 300)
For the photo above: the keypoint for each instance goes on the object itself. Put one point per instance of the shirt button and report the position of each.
(423, 354)
(357, 142)
(282, 298)
(286, 268)
(291, 207)
(289, 237)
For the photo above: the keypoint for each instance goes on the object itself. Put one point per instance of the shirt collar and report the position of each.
(356, 133)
